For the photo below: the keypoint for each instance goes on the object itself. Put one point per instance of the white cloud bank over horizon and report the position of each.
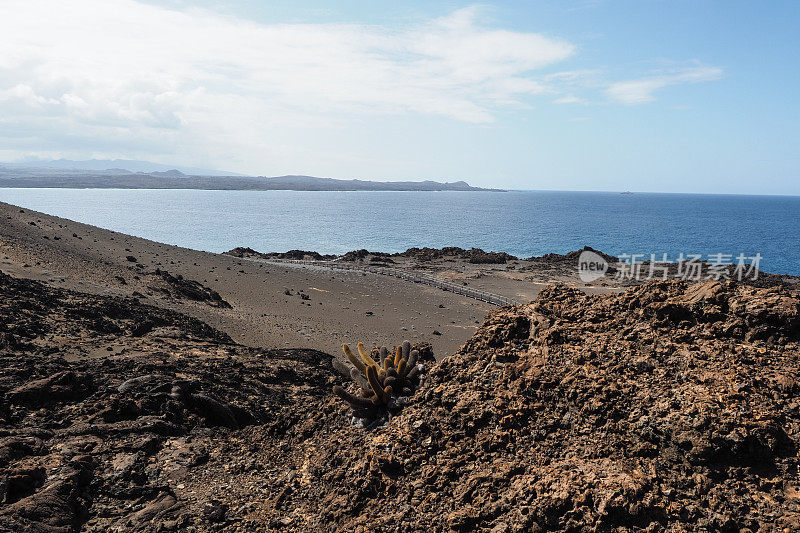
(119, 78)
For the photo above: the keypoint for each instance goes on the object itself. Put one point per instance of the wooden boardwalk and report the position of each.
(475, 294)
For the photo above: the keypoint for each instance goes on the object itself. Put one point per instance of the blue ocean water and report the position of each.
(523, 223)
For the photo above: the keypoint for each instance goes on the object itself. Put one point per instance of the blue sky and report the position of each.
(647, 95)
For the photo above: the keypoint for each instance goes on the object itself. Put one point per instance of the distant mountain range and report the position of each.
(126, 174)
(124, 165)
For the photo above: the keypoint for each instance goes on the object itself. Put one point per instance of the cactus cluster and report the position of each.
(385, 379)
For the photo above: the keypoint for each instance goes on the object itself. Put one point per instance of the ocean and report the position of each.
(522, 223)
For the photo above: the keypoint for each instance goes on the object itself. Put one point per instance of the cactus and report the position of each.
(355, 402)
(368, 360)
(353, 359)
(381, 376)
(360, 380)
(413, 358)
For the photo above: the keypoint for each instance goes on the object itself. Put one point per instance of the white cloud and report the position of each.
(570, 99)
(640, 91)
(120, 63)
(121, 78)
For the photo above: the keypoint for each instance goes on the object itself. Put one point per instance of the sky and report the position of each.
(640, 95)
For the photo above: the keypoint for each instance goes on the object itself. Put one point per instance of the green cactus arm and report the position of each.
(353, 359)
(406, 349)
(413, 372)
(384, 354)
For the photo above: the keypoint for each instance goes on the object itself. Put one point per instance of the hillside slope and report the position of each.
(669, 406)
(109, 407)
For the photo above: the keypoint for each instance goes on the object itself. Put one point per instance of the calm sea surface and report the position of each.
(521, 223)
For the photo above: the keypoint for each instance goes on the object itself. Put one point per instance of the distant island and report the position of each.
(60, 174)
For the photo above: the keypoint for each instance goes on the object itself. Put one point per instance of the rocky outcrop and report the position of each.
(96, 439)
(193, 290)
(249, 253)
(473, 255)
(667, 407)
(571, 258)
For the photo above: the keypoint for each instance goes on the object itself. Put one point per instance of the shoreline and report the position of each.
(216, 221)
(556, 191)
(270, 305)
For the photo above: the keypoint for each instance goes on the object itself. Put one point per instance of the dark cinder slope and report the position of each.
(108, 406)
(669, 407)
